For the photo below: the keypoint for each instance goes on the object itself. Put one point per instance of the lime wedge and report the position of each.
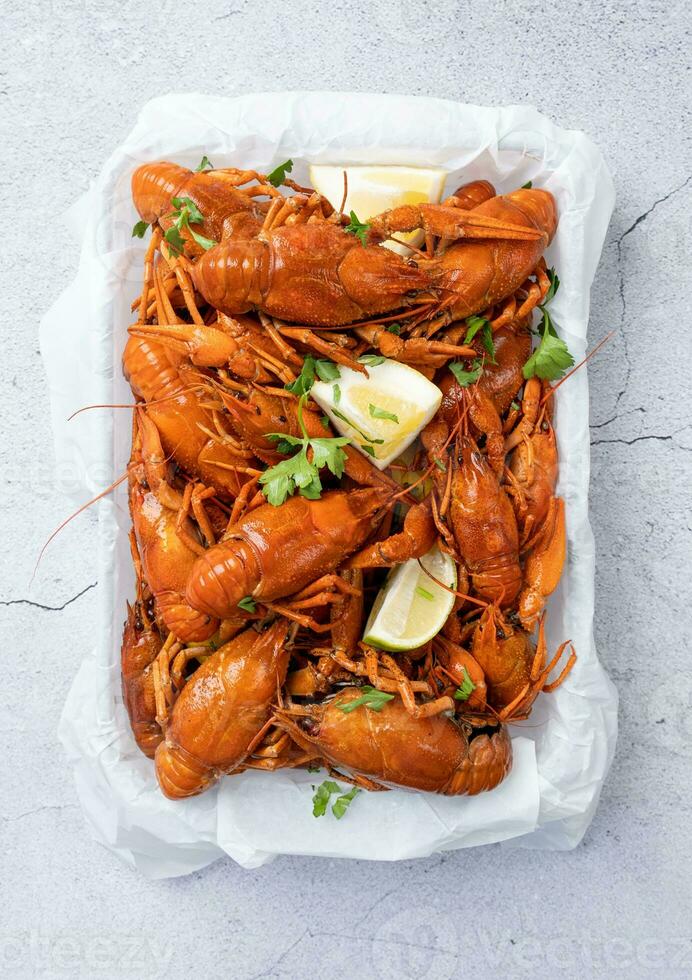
(411, 608)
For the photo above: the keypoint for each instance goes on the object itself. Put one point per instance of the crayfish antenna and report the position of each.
(551, 391)
(58, 529)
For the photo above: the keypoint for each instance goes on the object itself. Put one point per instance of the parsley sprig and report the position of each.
(463, 377)
(204, 164)
(247, 604)
(185, 213)
(139, 229)
(324, 793)
(476, 324)
(278, 175)
(551, 358)
(301, 472)
(358, 228)
(313, 367)
(370, 698)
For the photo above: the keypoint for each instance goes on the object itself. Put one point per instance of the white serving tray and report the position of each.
(563, 753)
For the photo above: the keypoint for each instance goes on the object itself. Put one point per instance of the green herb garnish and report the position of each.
(358, 228)
(372, 360)
(476, 324)
(321, 797)
(463, 377)
(394, 328)
(298, 472)
(527, 186)
(247, 604)
(324, 793)
(551, 358)
(186, 212)
(465, 689)
(370, 698)
(423, 593)
(139, 229)
(323, 369)
(278, 175)
(379, 413)
(336, 394)
(344, 418)
(327, 370)
(204, 164)
(342, 803)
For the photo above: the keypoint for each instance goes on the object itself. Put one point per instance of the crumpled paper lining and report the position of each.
(562, 755)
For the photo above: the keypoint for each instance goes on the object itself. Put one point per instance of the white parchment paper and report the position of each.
(563, 753)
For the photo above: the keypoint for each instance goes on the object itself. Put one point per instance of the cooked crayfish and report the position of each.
(244, 646)
(221, 711)
(391, 747)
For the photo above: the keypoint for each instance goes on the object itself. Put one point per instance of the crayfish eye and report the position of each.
(282, 418)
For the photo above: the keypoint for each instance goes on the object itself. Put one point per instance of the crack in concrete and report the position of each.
(38, 605)
(621, 282)
(601, 425)
(40, 809)
(631, 442)
(661, 200)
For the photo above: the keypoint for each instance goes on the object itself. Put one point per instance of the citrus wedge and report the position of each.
(381, 413)
(372, 190)
(411, 608)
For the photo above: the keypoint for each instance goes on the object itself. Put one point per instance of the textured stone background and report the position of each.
(73, 76)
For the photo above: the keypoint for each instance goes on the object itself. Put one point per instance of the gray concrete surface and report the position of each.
(73, 75)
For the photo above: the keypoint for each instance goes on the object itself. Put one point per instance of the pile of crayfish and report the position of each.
(243, 646)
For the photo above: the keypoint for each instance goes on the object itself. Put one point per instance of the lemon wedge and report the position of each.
(411, 608)
(372, 190)
(382, 414)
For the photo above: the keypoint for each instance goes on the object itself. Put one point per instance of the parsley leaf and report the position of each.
(278, 175)
(465, 689)
(463, 377)
(551, 358)
(204, 164)
(139, 229)
(175, 240)
(370, 698)
(306, 378)
(299, 472)
(358, 228)
(186, 211)
(394, 328)
(342, 803)
(247, 604)
(324, 421)
(554, 286)
(476, 324)
(321, 797)
(379, 413)
(372, 360)
(527, 186)
(327, 370)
